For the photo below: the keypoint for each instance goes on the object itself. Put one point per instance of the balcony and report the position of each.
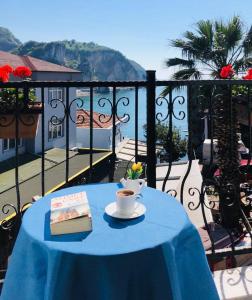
(212, 180)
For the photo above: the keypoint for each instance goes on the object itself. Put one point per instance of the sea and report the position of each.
(128, 129)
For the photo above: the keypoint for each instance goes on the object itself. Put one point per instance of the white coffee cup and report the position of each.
(125, 201)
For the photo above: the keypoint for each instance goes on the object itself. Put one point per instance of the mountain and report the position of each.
(95, 61)
(8, 42)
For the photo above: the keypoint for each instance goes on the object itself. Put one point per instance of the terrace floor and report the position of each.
(30, 173)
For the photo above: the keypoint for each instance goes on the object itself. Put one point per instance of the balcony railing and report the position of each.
(212, 112)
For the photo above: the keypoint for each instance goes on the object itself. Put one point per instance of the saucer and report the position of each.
(111, 210)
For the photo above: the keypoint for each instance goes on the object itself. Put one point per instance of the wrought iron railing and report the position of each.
(221, 198)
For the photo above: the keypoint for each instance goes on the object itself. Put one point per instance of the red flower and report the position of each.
(22, 72)
(248, 76)
(227, 72)
(4, 76)
(7, 68)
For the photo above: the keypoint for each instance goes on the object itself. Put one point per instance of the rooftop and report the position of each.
(99, 121)
(35, 64)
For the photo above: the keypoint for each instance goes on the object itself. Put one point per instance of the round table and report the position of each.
(157, 256)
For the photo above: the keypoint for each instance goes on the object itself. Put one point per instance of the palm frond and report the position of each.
(200, 45)
(247, 43)
(178, 43)
(233, 32)
(189, 35)
(185, 74)
(165, 91)
(176, 86)
(228, 37)
(212, 45)
(205, 29)
(186, 48)
(172, 62)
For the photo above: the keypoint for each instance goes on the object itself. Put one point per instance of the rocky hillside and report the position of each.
(8, 42)
(95, 61)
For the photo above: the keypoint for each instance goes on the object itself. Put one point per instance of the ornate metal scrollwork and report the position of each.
(192, 205)
(54, 120)
(170, 114)
(170, 108)
(80, 119)
(203, 193)
(125, 102)
(160, 101)
(8, 224)
(181, 101)
(102, 117)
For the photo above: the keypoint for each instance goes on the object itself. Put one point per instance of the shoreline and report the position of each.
(85, 92)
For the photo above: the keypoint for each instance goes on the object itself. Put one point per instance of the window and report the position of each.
(55, 93)
(9, 144)
(55, 131)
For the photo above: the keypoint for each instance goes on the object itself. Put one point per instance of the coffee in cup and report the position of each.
(125, 201)
(123, 193)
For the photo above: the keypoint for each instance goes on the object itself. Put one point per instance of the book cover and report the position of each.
(70, 214)
(69, 207)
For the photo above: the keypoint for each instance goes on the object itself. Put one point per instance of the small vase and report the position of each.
(135, 185)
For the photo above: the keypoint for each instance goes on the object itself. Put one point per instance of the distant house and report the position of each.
(54, 134)
(102, 130)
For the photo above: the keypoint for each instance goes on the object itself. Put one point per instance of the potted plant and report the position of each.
(133, 182)
(19, 110)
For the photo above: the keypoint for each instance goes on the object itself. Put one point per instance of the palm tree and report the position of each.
(214, 44)
(205, 51)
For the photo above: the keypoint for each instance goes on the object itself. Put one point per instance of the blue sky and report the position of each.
(140, 29)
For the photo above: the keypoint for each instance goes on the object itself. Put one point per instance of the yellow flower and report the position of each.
(137, 167)
(134, 167)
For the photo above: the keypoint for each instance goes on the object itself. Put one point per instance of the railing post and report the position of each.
(151, 129)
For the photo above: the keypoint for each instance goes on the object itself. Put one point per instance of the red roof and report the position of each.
(35, 64)
(83, 117)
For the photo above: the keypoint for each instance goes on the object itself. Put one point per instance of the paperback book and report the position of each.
(70, 213)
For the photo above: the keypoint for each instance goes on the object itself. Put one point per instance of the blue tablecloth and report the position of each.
(158, 256)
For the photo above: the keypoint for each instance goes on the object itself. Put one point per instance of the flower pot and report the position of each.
(135, 185)
(27, 123)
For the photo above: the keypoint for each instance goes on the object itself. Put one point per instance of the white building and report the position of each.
(102, 131)
(54, 135)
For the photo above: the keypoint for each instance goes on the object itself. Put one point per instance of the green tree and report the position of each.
(176, 146)
(211, 46)
(204, 51)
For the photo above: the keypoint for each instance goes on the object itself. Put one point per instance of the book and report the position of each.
(70, 214)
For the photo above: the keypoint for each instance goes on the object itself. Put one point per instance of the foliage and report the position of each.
(239, 90)
(211, 46)
(218, 50)
(95, 61)
(10, 97)
(135, 171)
(174, 145)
